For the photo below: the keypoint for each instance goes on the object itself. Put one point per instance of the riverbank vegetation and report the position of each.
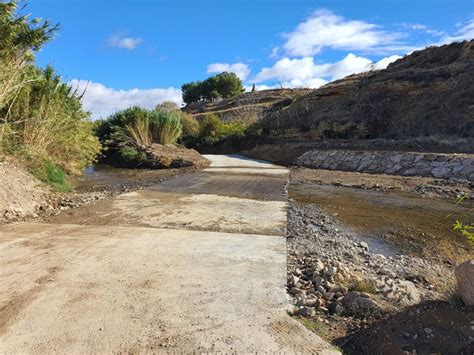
(126, 135)
(42, 121)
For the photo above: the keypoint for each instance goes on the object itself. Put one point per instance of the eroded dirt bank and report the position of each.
(371, 261)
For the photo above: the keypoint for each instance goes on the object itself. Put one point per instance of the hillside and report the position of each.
(428, 93)
(426, 96)
(247, 106)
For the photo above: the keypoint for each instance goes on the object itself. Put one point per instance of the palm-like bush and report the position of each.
(139, 128)
(166, 126)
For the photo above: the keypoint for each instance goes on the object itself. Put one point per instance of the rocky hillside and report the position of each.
(248, 106)
(427, 93)
(426, 97)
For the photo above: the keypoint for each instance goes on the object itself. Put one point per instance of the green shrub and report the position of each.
(131, 156)
(41, 118)
(210, 126)
(126, 135)
(166, 126)
(463, 222)
(190, 125)
(48, 172)
(212, 130)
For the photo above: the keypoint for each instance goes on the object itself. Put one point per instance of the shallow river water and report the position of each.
(392, 222)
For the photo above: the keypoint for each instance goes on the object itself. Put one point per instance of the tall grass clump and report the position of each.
(166, 126)
(41, 118)
(126, 135)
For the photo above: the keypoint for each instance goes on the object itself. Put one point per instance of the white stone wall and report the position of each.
(445, 166)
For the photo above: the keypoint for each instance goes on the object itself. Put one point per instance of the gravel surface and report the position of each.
(347, 293)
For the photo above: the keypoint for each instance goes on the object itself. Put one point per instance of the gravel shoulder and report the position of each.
(364, 298)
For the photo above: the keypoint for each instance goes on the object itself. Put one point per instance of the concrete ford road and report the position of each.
(197, 263)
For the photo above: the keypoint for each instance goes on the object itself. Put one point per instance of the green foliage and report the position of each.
(461, 224)
(210, 126)
(170, 106)
(110, 131)
(166, 126)
(127, 134)
(212, 130)
(190, 125)
(46, 171)
(131, 156)
(316, 326)
(46, 119)
(41, 118)
(19, 37)
(223, 85)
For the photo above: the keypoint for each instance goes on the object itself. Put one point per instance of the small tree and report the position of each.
(209, 126)
(190, 125)
(223, 85)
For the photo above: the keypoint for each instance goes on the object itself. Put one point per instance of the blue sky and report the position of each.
(140, 51)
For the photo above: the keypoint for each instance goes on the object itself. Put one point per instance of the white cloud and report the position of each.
(120, 41)
(303, 72)
(240, 69)
(312, 83)
(102, 101)
(326, 29)
(422, 28)
(275, 53)
(287, 69)
(464, 32)
(351, 64)
(248, 88)
(384, 62)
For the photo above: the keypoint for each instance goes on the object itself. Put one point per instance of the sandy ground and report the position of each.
(157, 271)
(21, 194)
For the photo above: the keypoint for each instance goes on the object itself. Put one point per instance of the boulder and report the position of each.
(465, 281)
(359, 304)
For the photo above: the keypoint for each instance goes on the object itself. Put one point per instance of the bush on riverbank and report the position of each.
(138, 137)
(42, 121)
(213, 132)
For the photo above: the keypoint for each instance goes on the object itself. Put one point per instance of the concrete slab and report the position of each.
(82, 289)
(100, 280)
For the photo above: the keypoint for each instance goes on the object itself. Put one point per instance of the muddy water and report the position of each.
(98, 175)
(393, 222)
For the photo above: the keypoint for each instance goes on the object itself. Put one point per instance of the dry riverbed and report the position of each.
(371, 257)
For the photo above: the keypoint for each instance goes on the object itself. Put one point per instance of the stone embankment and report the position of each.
(445, 166)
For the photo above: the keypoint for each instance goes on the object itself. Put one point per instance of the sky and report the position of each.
(140, 52)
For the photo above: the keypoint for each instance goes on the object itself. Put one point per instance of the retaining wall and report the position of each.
(445, 166)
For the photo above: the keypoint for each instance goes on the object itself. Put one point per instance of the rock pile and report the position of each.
(319, 286)
(332, 274)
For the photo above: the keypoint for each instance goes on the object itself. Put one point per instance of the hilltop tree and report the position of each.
(221, 86)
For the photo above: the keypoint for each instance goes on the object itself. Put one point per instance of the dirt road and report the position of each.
(197, 263)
